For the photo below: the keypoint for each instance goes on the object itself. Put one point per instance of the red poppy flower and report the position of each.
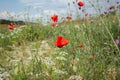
(54, 18)
(54, 25)
(94, 57)
(63, 21)
(78, 23)
(80, 3)
(80, 46)
(69, 18)
(11, 26)
(60, 42)
(86, 14)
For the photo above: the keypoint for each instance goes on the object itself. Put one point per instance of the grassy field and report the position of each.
(28, 52)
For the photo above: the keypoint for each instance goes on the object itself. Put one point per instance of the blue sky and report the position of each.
(13, 5)
(41, 8)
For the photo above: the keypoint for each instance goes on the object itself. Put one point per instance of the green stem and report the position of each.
(112, 39)
(111, 36)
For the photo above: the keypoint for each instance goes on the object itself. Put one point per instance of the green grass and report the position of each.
(28, 53)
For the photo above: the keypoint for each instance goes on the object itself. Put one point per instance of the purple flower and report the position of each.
(117, 41)
(76, 0)
(79, 8)
(92, 21)
(117, 2)
(105, 12)
(111, 7)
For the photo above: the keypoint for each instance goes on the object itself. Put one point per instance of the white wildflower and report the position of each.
(41, 52)
(57, 71)
(75, 77)
(76, 26)
(2, 37)
(44, 41)
(63, 53)
(23, 26)
(44, 45)
(4, 75)
(29, 58)
(61, 58)
(48, 61)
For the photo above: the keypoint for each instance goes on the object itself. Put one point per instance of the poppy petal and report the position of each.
(64, 41)
(60, 42)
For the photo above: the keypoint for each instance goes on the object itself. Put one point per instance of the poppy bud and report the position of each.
(80, 3)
